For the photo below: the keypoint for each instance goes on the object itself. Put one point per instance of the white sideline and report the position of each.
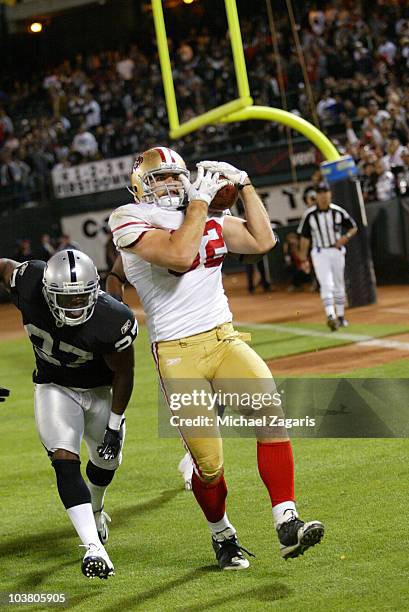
(359, 339)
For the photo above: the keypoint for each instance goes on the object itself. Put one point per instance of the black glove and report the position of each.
(111, 444)
(3, 394)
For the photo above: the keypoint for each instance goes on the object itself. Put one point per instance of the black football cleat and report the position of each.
(332, 323)
(342, 322)
(229, 553)
(96, 563)
(296, 537)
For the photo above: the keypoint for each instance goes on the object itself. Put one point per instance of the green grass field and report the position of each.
(159, 541)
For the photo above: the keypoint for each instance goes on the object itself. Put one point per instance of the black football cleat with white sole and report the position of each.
(96, 563)
(229, 553)
(342, 322)
(296, 537)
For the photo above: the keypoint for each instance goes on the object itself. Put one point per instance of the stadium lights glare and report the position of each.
(36, 27)
(188, 1)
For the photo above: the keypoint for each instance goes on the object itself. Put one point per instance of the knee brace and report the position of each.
(71, 486)
(98, 476)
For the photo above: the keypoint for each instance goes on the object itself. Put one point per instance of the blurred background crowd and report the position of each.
(107, 103)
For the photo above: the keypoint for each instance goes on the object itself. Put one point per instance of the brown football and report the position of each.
(225, 197)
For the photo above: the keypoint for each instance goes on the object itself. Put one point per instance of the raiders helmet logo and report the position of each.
(126, 326)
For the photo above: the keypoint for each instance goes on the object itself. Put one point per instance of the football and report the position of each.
(225, 197)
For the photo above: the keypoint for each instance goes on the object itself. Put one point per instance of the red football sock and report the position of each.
(210, 497)
(276, 468)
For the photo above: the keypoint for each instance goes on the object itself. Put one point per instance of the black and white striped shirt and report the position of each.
(324, 227)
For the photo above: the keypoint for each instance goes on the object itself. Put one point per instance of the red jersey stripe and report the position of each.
(144, 223)
(136, 241)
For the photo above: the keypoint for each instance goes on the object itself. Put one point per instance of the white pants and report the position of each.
(329, 266)
(64, 416)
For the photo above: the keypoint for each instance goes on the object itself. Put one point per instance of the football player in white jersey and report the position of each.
(173, 246)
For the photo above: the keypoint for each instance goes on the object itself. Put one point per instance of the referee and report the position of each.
(328, 227)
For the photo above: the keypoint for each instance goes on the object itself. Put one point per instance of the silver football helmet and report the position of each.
(70, 287)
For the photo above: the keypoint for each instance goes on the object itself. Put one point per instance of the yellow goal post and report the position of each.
(240, 109)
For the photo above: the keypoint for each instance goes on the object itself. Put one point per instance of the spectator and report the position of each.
(14, 174)
(393, 158)
(85, 144)
(402, 178)
(369, 179)
(325, 107)
(375, 113)
(46, 249)
(125, 67)
(92, 111)
(251, 269)
(309, 196)
(317, 21)
(65, 242)
(299, 273)
(24, 251)
(385, 184)
(387, 50)
(6, 126)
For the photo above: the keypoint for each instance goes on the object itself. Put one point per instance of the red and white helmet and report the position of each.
(148, 168)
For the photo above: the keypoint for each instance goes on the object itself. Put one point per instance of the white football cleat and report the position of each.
(185, 467)
(101, 520)
(96, 563)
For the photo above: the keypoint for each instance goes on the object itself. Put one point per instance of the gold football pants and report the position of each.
(217, 358)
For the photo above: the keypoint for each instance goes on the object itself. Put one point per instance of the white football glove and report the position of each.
(205, 186)
(236, 176)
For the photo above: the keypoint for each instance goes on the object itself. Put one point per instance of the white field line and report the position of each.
(358, 339)
(396, 310)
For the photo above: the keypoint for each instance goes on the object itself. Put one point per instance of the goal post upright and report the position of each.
(166, 68)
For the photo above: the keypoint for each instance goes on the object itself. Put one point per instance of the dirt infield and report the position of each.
(283, 307)
(338, 360)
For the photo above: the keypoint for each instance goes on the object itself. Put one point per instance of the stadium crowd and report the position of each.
(111, 103)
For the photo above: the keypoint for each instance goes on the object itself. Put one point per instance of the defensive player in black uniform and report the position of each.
(82, 340)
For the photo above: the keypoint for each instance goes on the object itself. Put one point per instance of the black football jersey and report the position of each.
(71, 356)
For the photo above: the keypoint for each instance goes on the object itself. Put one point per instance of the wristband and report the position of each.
(115, 421)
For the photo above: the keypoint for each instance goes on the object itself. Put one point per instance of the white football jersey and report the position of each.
(176, 304)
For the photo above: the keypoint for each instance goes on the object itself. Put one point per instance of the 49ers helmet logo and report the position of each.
(138, 161)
